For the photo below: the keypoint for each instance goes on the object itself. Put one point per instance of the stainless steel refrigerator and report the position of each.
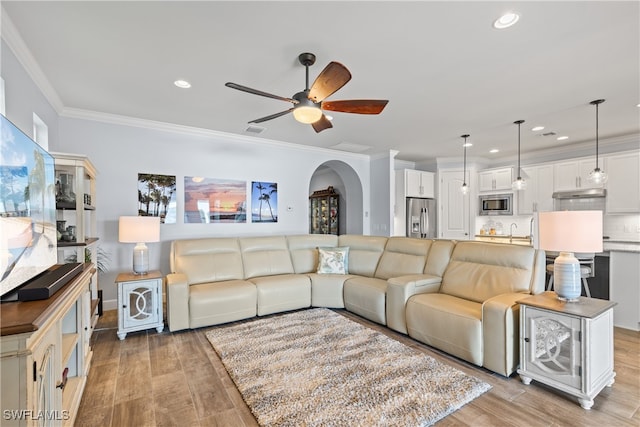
(421, 218)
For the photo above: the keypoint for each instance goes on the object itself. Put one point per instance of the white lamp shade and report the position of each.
(139, 229)
(570, 231)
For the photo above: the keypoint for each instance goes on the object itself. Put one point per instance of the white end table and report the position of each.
(139, 302)
(567, 345)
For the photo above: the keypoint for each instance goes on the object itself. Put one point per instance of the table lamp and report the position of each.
(568, 232)
(139, 230)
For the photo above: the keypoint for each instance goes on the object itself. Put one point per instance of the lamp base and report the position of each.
(140, 259)
(566, 277)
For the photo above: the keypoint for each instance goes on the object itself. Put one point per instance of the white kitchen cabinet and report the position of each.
(495, 179)
(418, 183)
(537, 197)
(574, 174)
(410, 183)
(46, 355)
(623, 186)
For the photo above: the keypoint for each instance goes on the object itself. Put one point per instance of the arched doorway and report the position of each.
(346, 182)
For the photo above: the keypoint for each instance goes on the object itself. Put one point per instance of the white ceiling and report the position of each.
(441, 65)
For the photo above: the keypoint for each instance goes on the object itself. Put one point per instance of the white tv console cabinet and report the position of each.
(46, 354)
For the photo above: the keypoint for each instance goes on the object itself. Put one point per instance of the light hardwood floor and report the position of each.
(165, 379)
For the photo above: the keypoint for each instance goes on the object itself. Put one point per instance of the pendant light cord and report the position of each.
(519, 122)
(597, 103)
(519, 150)
(464, 167)
(597, 142)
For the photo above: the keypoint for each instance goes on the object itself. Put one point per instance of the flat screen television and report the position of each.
(27, 208)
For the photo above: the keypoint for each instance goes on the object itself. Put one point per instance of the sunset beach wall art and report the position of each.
(210, 200)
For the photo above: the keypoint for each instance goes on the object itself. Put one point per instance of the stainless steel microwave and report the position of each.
(496, 204)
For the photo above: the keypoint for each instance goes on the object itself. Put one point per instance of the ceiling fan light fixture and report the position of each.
(307, 113)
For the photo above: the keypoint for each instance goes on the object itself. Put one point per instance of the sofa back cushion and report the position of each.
(265, 256)
(402, 256)
(304, 250)
(439, 257)
(364, 252)
(479, 271)
(207, 260)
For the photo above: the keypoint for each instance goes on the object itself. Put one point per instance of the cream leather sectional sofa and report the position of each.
(460, 297)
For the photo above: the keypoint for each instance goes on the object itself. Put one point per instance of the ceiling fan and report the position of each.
(308, 104)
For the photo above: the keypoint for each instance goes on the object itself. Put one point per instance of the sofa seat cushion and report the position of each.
(282, 293)
(451, 324)
(327, 289)
(366, 296)
(221, 302)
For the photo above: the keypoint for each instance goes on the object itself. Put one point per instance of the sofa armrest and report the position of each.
(500, 331)
(177, 302)
(399, 289)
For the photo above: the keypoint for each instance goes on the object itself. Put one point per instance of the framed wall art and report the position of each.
(264, 201)
(157, 196)
(209, 200)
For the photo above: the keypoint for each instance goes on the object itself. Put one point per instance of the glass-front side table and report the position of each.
(567, 345)
(139, 302)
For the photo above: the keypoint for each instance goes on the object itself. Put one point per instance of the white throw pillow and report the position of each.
(333, 260)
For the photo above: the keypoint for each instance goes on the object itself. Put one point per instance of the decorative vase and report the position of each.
(566, 272)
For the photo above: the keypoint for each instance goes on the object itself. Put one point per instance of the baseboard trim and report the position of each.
(111, 304)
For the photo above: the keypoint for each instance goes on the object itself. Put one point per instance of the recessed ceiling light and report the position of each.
(562, 138)
(506, 20)
(182, 84)
(494, 150)
(537, 128)
(467, 144)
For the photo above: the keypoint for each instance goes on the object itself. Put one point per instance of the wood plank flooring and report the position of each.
(177, 379)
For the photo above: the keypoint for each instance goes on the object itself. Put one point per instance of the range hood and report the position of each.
(589, 193)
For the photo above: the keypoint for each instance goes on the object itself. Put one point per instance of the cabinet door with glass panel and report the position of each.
(323, 212)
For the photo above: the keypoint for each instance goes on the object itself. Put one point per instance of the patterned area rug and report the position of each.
(317, 368)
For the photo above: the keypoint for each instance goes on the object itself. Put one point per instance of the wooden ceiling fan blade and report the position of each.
(273, 116)
(258, 92)
(322, 124)
(333, 77)
(358, 106)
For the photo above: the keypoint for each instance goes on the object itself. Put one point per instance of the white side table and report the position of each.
(139, 302)
(567, 345)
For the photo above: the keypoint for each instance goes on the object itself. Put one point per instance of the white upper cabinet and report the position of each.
(573, 174)
(623, 186)
(419, 183)
(537, 197)
(495, 179)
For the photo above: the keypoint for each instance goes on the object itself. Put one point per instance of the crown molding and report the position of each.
(114, 119)
(574, 151)
(12, 37)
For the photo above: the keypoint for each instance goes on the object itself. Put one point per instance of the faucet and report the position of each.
(531, 230)
(511, 231)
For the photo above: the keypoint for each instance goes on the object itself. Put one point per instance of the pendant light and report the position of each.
(597, 176)
(519, 184)
(465, 188)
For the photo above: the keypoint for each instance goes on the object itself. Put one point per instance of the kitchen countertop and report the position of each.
(621, 246)
(608, 245)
